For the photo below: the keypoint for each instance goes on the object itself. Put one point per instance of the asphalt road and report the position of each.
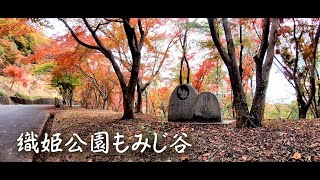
(14, 120)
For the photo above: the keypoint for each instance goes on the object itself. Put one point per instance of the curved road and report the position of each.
(17, 119)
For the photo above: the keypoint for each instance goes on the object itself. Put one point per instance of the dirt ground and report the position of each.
(277, 141)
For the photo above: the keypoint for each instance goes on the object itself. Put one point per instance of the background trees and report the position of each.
(100, 42)
(128, 65)
(296, 58)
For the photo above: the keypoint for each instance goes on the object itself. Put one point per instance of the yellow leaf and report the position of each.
(90, 160)
(296, 155)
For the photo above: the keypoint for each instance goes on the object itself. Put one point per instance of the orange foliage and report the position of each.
(204, 69)
(16, 74)
(159, 100)
(14, 26)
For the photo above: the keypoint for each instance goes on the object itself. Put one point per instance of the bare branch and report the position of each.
(108, 54)
(254, 27)
(94, 35)
(101, 24)
(142, 35)
(284, 67)
(287, 78)
(113, 20)
(76, 37)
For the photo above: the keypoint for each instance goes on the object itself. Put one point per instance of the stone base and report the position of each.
(218, 123)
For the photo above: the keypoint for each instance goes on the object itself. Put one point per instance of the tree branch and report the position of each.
(142, 35)
(108, 54)
(100, 24)
(264, 43)
(312, 68)
(228, 35)
(76, 37)
(284, 67)
(288, 79)
(241, 49)
(217, 42)
(254, 27)
(271, 43)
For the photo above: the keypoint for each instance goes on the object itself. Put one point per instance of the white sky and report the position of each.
(279, 90)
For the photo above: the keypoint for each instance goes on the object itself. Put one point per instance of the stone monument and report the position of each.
(181, 103)
(206, 108)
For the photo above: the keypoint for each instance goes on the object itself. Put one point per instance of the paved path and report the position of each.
(217, 123)
(17, 119)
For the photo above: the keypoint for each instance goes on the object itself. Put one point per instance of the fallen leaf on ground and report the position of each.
(297, 155)
(314, 145)
(184, 157)
(244, 158)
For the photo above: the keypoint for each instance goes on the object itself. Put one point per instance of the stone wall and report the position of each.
(5, 100)
(19, 100)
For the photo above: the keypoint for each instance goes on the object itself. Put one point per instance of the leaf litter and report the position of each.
(276, 141)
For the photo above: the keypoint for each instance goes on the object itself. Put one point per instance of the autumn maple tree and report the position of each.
(135, 44)
(263, 61)
(18, 40)
(16, 74)
(155, 52)
(296, 57)
(184, 28)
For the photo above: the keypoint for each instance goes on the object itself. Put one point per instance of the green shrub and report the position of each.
(3, 93)
(43, 69)
(22, 96)
(19, 95)
(1, 51)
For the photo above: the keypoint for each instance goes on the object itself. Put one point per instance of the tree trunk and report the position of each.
(64, 96)
(302, 112)
(139, 103)
(96, 100)
(232, 105)
(258, 103)
(128, 104)
(11, 85)
(188, 69)
(105, 103)
(255, 117)
(147, 103)
(240, 102)
(241, 49)
(71, 98)
(181, 66)
(314, 58)
(135, 48)
(262, 72)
